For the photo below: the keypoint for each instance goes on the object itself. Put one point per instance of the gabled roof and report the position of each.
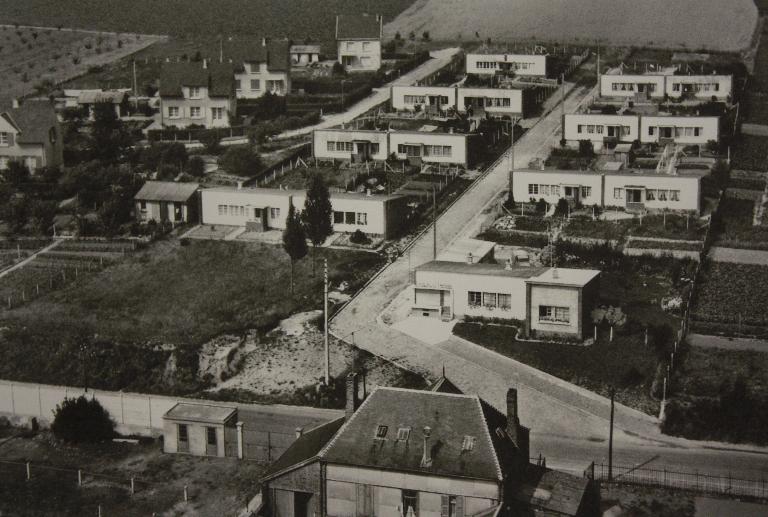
(305, 448)
(450, 418)
(357, 26)
(444, 385)
(305, 49)
(219, 78)
(166, 191)
(276, 53)
(34, 120)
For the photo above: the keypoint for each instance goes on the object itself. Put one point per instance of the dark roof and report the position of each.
(166, 191)
(357, 26)
(443, 385)
(551, 491)
(34, 119)
(450, 417)
(276, 53)
(219, 78)
(481, 269)
(306, 447)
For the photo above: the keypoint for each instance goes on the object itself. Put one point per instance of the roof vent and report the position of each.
(426, 458)
(555, 274)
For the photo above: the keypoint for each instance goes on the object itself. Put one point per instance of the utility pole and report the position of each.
(511, 154)
(434, 225)
(610, 439)
(325, 326)
(562, 106)
(135, 87)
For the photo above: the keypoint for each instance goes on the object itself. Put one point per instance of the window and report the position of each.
(586, 191)
(453, 506)
(349, 218)
(350, 45)
(489, 300)
(544, 190)
(549, 313)
(173, 112)
(222, 209)
(599, 130)
(255, 85)
(374, 148)
(651, 130)
(590, 129)
(4, 140)
(662, 195)
(217, 113)
(533, 188)
(617, 193)
(274, 213)
(555, 190)
(615, 87)
(474, 298)
(143, 206)
(403, 433)
(362, 218)
(697, 131)
(381, 431)
(410, 502)
(3, 162)
(275, 86)
(210, 433)
(409, 150)
(676, 87)
(580, 128)
(366, 46)
(183, 433)
(338, 217)
(674, 195)
(505, 301)
(331, 146)
(650, 194)
(468, 444)
(194, 92)
(195, 112)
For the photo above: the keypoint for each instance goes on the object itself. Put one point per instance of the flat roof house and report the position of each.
(200, 430)
(519, 64)
(552, 301)
(654, 86)
(261, 209)
(358, 41)
(601, 129)
(699, 86)
(196, 94)
(679, 130)
(167, 201)
(30, 133)
(418, 453)
(498, 102)
(260, 66)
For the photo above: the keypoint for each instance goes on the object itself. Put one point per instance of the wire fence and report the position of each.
(697, 482)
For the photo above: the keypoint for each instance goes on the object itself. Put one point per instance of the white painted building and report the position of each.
(520, 64)
(494, 101)
(680, 130)
(601, 129)
(627, 189)
(552, 301)
(412, 98)
(700, 86)
(357, 145)
(655, 86)
(261, 68)
(304, 55)
(200, 94)
(261, 209)
(632, 85)
(358, 41)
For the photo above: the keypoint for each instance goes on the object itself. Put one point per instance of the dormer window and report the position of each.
(403, 433)
(194, 92)
(381, 431)
(468, 444)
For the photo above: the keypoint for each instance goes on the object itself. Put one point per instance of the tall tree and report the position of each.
(317, 213)
(294, 238)
(108, 137)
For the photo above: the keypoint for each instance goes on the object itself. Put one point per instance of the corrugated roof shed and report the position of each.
(219, 78)
(357, 26)
(166, 191)
(34, 119)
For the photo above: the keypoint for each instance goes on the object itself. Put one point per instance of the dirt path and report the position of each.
(31, 258)
(739, 256)
(729, 343)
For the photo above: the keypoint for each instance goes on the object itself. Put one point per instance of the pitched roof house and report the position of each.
(196, 93)
(421, 453)
(163, 201)
(358, 38)
(30, 133)
(261, 66)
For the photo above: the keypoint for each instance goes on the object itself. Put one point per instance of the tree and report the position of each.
(294, 238)
(82, 420)
(509, 203)
(108, 136)
(598, 315)
(562, 209)
(615, 318)
(211, 141)
(661, 338)
(586, 149)
(317, 213)
(17, 173)
(196, 166)
(425, 36)
(241, 161)
(42, 213)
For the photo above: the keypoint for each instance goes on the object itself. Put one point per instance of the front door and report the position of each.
(363, 151)
(634, 196)
(666, 132)
(301, 506)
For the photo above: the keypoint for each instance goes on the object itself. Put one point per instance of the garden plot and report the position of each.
(737, 228)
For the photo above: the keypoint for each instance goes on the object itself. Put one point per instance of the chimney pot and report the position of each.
(263, 42)
(239, 185)
(470, 258)
(205, 63)
(426, 458)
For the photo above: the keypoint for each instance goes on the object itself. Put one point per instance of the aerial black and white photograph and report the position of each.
(384, 258)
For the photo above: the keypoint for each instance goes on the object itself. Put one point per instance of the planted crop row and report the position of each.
(733, 293)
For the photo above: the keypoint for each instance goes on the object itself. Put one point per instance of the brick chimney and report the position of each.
(426, 457)
(513, 421)
(351, 395)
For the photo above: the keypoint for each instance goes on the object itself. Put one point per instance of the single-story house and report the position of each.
(520, 64)
(167, 201)
(201, 430)
(303, 55)
(655, 85)
(499, 102)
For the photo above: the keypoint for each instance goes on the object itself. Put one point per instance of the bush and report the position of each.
(196, 166)
(359, 238)
(211, 141)
(241, 161)
(82, 420)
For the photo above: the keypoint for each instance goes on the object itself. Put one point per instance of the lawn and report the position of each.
(735, 229)
(750, 153)
(669, 226)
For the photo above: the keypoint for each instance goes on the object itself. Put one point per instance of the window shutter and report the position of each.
(445, 508)
(459, 506)
(11, 138)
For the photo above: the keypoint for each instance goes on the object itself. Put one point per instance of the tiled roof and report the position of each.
(306, 447)
(217, 77)
(551, 491)
(252, 50)
(34, 119)
(91, 97)
(166, 191)
(357, 26)
(450, 418)
(305, 49)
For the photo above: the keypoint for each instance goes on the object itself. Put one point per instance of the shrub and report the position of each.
(211, 141)
(241, 161)
(359, 238)
(82, 420)
(196, 166)
(586, 149)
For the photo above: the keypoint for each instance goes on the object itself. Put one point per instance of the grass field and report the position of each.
(693, 24)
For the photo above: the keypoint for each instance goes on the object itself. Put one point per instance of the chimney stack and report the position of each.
(351, 395)
(239, 185)
(513, 422)
(555, 274)
(426, 458)
(205, 63)
(263, 42)
(470, 258)
(15, 102)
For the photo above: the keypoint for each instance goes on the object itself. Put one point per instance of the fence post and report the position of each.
(186, 493)
(79, 477)
(29, 472)
(133, 486)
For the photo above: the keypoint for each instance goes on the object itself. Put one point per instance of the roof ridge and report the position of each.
(346, 424)
(426, 392)
(496, 462)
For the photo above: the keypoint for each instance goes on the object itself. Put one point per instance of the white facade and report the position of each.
(262, 209)
(256, 80)
(196, 107)
(681, 130)
(700, 86)
(360, 55)
(520, 64)
(350, 144)
(496, 101)
(631, 85)
(599, 128)
(407, 98)
(585, 187)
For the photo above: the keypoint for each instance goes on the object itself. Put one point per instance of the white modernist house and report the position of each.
(494, 101)
(362, 145)
(520, 64)
(358, 40)
(611, 129)
(628, 189)
(655, 86)
(262, 209)
(551, 301)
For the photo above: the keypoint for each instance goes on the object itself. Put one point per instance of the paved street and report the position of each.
(440, 58)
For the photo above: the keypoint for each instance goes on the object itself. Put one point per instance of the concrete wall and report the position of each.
(321, 138)
(704, 86)
(522, 182)
(521, 64)
(577, 127)
(688, 188)
(707, 128)
(366, 54)
(611, 85)
(555, 296)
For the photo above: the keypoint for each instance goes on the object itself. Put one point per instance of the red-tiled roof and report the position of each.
(357, 26)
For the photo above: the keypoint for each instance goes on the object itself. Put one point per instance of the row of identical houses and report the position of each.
(656, 86)
(534, 65)
(511, 103)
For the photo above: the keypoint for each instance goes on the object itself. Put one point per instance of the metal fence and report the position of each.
(697, 482)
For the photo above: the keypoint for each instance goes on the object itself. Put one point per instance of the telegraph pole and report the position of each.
(325, 326)
(511, 154)
(562, 106)
(610, 439)
(434, 225)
